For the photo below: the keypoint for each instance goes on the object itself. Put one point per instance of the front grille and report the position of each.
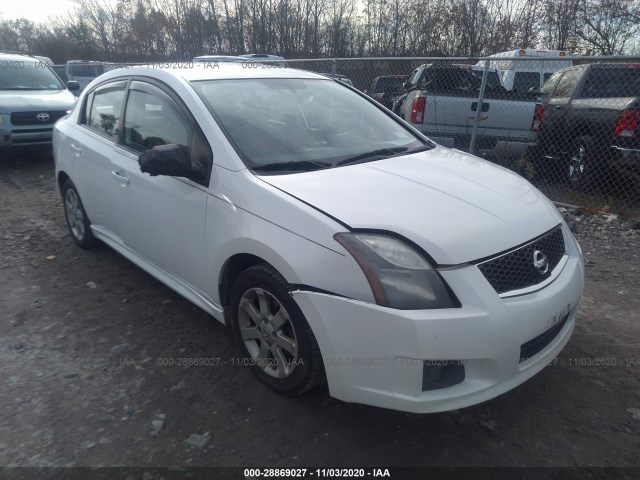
(515, 270)
(31, 118)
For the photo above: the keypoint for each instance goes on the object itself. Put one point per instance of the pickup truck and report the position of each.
(591, 121)
(384, 89)
(442, 102)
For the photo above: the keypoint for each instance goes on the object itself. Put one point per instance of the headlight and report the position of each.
(399, 276)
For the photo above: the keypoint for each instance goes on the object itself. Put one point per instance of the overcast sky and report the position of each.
(36, 10)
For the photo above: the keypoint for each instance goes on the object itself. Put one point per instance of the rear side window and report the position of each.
(449, 79)
(525, 81)
(612, 82)
(104, 113)
(390, 84)
(493, 80)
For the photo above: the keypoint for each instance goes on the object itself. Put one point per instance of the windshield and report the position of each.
(27, 75)
(303, 123)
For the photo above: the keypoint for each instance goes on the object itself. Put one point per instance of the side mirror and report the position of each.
(406, 85)
(172, 160)
(73, 86)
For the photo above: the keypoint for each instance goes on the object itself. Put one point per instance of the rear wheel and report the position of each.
(77, 220)
(272, 332)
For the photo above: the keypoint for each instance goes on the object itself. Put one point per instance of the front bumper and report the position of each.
(376, 355)
(16, 137)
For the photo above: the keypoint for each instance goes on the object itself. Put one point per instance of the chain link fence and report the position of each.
(568, 124)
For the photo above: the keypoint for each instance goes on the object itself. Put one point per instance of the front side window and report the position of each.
(104, 113)
(153, 119)
(551, 83)
(413, 78)
(318, 123)
(566, 84)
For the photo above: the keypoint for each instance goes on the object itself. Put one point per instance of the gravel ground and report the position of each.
(86, 338)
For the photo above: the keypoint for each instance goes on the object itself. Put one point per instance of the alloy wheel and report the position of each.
(75, 217)
(268, 333)
(577, 164)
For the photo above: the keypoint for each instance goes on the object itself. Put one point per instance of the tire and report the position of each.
(582, 165)
(272, 333)
(77, 220)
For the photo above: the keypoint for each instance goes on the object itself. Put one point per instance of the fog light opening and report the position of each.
(438, 374)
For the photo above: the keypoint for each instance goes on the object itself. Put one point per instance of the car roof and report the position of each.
(262, 55)
(212, 71)
(219, 58)
(17, 57)
(85, 61)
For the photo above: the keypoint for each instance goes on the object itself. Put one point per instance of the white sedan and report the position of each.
(339, 243)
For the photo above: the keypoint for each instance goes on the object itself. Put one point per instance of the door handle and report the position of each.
(121, 179)
(559, 107)
(77, 150)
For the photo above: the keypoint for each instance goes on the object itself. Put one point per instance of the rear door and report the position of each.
(93, 148)
(554, 132)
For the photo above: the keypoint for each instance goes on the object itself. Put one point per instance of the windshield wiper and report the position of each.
(381, 152)
(301, 165)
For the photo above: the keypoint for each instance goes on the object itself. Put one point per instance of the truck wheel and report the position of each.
(582, 164)
(272, 333)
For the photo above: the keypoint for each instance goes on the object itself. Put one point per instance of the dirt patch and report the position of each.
(87, 340)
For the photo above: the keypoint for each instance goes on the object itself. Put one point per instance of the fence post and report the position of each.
(334, 61)
(476, 121)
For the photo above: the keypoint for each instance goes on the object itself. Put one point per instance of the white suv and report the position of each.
(336, 240)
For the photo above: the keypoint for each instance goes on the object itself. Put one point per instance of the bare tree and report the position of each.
(607, 25)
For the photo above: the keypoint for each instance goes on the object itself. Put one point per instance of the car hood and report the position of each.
(35, 100)
(456, 206)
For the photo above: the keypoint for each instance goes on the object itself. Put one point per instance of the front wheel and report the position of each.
(272, 332)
